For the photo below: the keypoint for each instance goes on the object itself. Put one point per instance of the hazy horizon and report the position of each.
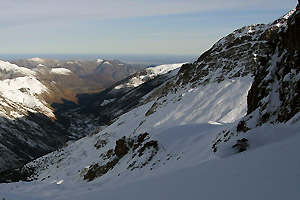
(144, 59)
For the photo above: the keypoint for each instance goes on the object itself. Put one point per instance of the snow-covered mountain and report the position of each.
(127, 93)
(176, 142)
(97, 110)
(27, 131)
(31, 91)
(87, 76)
(20, 85)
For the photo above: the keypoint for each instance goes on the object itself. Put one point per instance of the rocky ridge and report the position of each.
(274, 95)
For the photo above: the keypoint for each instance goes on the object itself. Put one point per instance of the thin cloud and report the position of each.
(16, 12)
(127, 26)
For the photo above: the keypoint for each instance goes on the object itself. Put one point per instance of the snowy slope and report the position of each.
(190, 110)
(26, 90)
(254, 174)
(162, 148)
(26, 129)
(201, 105)
(230, 178)
(149, 73)
(124, 95)
(23, 87)
(9, 70)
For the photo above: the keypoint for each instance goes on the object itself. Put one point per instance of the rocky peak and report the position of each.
(274, 95)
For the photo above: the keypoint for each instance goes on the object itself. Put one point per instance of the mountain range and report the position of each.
(29, 90)
(170, 131)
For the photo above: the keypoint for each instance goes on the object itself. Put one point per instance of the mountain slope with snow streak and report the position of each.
(185, 111)
(27, 131)
(9, 70)
(126, 94)
(27, 91)
(275, 92)
(164, 146)
(149, 73)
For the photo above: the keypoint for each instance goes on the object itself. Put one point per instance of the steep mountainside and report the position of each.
(177, 140)
(274, 95)
(27, 131)
(127, 93)
(97, 110)
(34, 90)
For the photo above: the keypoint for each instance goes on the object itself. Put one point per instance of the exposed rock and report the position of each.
(121, 148)
(124, 146)
(275, 92)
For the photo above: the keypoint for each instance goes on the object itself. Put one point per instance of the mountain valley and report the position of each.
(159, 132)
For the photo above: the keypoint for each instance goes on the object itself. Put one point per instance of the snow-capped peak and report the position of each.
(163, 69)
(7, 67)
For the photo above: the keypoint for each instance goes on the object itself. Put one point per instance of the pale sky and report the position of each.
(127, 26)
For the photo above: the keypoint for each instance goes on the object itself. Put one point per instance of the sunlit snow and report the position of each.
(63, 71)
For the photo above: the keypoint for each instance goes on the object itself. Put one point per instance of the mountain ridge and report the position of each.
(187, 127)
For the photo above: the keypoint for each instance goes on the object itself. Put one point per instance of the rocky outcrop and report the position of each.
(135, 146)
(275, 92)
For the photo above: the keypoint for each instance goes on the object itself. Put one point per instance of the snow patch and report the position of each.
(36, 59)
(107, 63)
(106, 101)
(99, 60)
(62, 71)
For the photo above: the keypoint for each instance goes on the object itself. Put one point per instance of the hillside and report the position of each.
(176, 140)
(86, 77)
(31, 95)
(27, 131)
(94, 111)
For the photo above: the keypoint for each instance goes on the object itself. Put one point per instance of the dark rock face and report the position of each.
(275, 92)
(121, 148)
(278, 74)
(288, 68)
(28, 138)
(235, 55)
